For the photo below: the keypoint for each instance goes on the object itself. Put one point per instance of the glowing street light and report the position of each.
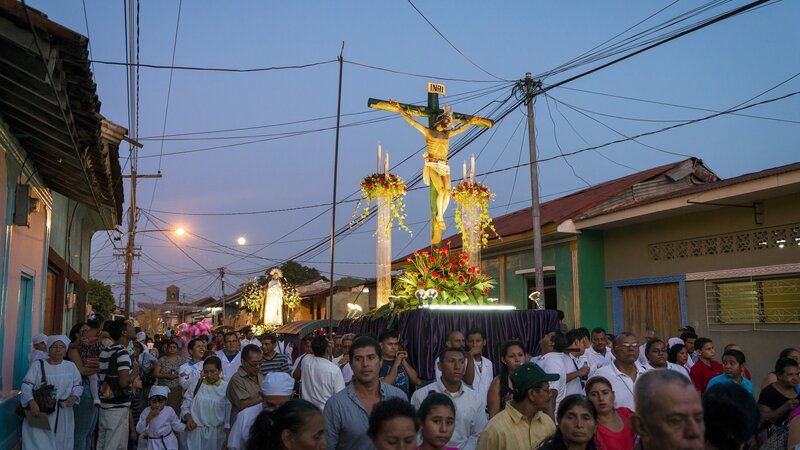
(180, 231)
(241, 240)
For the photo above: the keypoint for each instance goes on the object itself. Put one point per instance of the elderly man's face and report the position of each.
(675, 422)
(626, 349)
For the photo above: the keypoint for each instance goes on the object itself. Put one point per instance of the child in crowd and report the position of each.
(733, 362)
(90, 343)
(158, 424)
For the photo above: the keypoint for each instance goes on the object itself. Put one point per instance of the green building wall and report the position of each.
(591, 268)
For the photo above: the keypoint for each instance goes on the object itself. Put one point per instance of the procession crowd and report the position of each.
(109, 386)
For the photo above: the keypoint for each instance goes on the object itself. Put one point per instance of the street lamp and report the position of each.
(241, 240)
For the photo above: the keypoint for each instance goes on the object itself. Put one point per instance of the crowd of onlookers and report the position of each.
(116, 388)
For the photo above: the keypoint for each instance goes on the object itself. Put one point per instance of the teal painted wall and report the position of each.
(517, 285)
(591, 267)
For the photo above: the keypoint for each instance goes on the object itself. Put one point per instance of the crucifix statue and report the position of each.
(436, 172)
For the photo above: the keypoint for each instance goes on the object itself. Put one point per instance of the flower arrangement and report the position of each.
(253, 295)
(383, 185)
(468, 194)
(260, 330)
(291, 297)
(449, 274)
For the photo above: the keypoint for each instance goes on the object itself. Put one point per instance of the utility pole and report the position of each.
(222, 280)
(335, 175)
(530, 86)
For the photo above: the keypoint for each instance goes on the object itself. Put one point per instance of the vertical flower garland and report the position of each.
(388, 191)
(472, 202)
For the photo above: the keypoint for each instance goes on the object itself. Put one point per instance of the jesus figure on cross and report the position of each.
(437, 169)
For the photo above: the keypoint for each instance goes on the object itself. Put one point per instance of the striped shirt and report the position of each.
(278, 363)
(123, 358)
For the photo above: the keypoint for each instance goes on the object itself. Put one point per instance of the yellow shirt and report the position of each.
(511, 430)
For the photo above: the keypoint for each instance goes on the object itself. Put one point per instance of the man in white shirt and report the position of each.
(320, 378)
(249, 337)
(454, 340)
(577, 366)
(555, 362)
(623, 372)
(598, 355)
(229, 355)
(483, 371)
(470, 416)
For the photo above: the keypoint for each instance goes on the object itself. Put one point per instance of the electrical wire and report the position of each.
(451, 44)
(558, 145)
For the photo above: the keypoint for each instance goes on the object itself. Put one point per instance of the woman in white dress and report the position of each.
(205, 409)
(159, 424)
(66, 380)
(274, 303)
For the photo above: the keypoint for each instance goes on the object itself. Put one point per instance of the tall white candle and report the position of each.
(379, 158)
(386, 168)
(472, 171)
(465, 171)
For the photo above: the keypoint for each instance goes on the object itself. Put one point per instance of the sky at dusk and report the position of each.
(265, 164)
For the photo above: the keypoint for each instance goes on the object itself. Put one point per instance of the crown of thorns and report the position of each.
(447, 113)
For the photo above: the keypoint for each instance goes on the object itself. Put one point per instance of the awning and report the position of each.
(304, 327)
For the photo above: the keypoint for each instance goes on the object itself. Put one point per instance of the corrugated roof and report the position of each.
(718, 184)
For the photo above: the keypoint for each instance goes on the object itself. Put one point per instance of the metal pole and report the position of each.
(537, 227)
(335, 175)
(222, 280)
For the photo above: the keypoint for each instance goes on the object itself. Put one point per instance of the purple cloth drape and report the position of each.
(423, 331)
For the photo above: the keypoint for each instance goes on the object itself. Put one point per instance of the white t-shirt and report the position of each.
(556, 362)
(597, 360)
(320, 380)
(575, 386)
(621, 384)
(229, 367)
(253, 341)
(347, 373)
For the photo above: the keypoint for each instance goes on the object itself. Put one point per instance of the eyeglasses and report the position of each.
(628, 347)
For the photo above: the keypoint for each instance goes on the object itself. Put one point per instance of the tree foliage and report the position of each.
(296, 273)
(101, 298)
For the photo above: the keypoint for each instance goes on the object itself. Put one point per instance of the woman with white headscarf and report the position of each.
(66, 380)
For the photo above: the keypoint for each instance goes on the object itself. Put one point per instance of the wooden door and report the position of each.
(655, 306)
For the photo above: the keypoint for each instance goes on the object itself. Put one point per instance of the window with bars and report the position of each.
(767, 300)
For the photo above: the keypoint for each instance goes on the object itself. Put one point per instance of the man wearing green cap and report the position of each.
(524, 423)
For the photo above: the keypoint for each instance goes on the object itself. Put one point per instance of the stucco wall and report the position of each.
(626, 250)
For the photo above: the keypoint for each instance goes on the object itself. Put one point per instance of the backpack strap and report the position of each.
(197, 388)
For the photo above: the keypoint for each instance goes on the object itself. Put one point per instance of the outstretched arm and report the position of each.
(462, 128)
(421, 128)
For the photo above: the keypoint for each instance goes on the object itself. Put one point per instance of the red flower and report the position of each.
(470, 192)
(386, 186)
(369, 185)
(425, 252)
(469, 291)
(453, 260)
(404, 189)
(463, 263)
(395, 185)
(416, 253)
(460, 279)
(486, 277)
(424, 267)
(438, 289)
(421, 284)
(435, 275)
(452, 271)
(471, 279)
(471, 269)
(477, 270)
(486, 291)
(432, 259)
(408, 259)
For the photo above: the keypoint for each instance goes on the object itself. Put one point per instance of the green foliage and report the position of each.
(296, 273)
(252, 295)
(101, 298)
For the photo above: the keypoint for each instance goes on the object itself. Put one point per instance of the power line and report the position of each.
(417, 75)
(656, 102)
(213, 69)
(453, 45)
